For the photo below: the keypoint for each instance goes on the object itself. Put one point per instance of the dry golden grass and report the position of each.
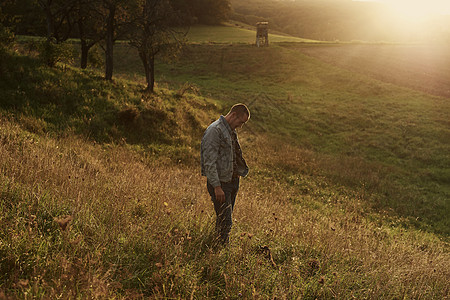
(142, 228)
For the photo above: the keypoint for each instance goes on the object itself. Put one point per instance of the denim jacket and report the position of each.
(217, 154)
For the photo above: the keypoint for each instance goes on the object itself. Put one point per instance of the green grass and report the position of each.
(347, 195)
(342, 116)
(142, 228)
(234, 34)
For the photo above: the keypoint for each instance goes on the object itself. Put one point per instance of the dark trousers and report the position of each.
(224, 210)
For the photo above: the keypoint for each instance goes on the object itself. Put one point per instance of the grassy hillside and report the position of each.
(353, 119)
(101, 196)
(331, 20)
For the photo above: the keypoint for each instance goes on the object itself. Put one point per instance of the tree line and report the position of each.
(153, 27)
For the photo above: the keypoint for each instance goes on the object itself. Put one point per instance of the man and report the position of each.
(223, 164)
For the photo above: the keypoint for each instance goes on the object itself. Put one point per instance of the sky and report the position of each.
(417, 8)
(415, 19)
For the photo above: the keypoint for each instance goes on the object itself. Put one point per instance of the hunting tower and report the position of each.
(262, 34)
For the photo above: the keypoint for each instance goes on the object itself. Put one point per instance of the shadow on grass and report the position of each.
(62, 99)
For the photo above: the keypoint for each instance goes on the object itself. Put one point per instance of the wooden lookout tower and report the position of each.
(262, 34)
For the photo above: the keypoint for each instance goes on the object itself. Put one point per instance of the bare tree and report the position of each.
(90, 25)
(117, 15)
(155, 30)
(59, 15)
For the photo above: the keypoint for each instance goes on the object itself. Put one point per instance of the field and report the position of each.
(235, 33)
(347, 197)
(340, 113)
(424, 68)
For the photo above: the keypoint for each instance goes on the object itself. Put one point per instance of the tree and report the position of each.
(21, 17)
(116, 15)
(6, 36)
(90, 26)
(111, 7)
(153, 32)
(59, 17)
(211, 11)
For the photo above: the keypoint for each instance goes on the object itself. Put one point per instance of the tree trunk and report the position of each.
(84, 44)
(110, 43)
(148, 61)
(50, 22)
(84, 53)
(151, 81)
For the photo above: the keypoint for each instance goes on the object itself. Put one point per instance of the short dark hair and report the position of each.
(240, 109)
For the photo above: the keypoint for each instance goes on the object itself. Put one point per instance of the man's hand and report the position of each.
(220, 195)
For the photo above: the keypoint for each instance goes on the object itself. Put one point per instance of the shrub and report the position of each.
(6, 37)
(32, 47)
(52, 53)
(6, 42)
(95, 57)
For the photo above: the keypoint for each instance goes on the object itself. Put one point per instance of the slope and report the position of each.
(101, 195)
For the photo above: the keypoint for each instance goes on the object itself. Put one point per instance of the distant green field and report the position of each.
(234, 34)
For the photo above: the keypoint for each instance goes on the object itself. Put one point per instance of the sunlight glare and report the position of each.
(415, 19)
(418, 9)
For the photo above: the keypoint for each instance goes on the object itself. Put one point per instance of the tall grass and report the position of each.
(114, 211)
(344, 116)
(142, 228)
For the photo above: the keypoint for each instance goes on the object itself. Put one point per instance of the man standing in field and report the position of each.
(223, 164)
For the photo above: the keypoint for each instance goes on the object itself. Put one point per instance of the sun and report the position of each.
(415, 19)
(411, 20)
(410, 9)
(418, 9)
